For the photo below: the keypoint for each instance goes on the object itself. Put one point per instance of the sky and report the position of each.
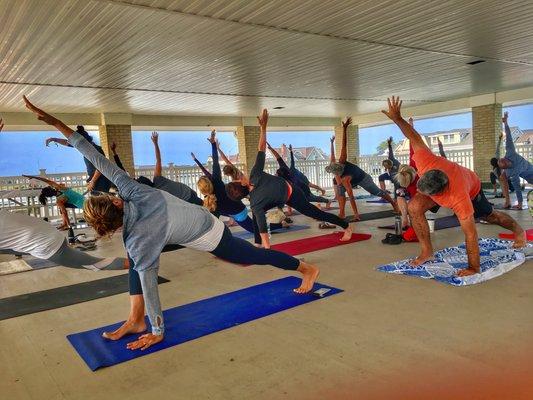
(25, 153)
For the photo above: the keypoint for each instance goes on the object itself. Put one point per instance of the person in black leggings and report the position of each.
(291, 174)
(216, 198)
(268, 191)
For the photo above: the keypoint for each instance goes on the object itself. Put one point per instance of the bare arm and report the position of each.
(332, 150)
(505, 189)
(204, 170)
(263, 121)
(441, 149)
(472, 246)
(394, 113)
(223, 156)
(498, 147)
(278, 158)
(344, 151)
(49, 182)
(158, 167)
(62, 142)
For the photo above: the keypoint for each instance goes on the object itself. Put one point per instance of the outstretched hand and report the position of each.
(212, 138)
(389, 141)
(332, 139)
(290, 147)
(113, 147)
(155, 137)
(1, 124)
(193, 156)
(411, 122)
(41, 115)
(505, 116)
(347, 122)
(438, 141)
(395, 107)
(269, 146)
(263, 118)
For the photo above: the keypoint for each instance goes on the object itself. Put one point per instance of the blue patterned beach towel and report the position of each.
(497, 257)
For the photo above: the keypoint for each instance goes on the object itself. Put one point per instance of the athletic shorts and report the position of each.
(384, 177)
(482, 207)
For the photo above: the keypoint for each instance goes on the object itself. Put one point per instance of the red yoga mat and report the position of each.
(316, 243)
(510, 235)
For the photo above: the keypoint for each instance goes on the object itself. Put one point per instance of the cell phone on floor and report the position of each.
(321, 292)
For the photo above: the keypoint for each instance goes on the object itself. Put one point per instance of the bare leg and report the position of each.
(135, 322)
(417, 208)
(507, 222)
(310, 274)
(64, 215)
(402, 205)
(382, 186)
(342, 206)
(387, 197)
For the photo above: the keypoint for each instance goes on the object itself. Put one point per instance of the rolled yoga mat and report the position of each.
(249, 235)
(198, 319)
(11, 307)
(496, 258)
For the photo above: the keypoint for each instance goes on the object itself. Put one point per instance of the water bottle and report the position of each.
(398, 225)
(431, 222)
(71, 237)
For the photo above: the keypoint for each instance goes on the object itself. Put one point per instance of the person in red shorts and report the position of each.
(444, 183)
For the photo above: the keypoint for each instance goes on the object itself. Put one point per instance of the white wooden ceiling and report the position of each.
(224, 57)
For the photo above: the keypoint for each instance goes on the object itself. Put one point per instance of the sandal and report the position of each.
(326, 225)
(392, 238)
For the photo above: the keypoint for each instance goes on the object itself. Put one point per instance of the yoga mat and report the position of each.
(13, 267)
(449, 221)
(372, 215)
(194, 320)
(250, 235)
(51, 299)
(315, 243)
(500, 207)
(496, 258)
(510, 235)
(380, 201)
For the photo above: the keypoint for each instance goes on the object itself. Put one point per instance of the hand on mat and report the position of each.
(467, 272)
(145, 341)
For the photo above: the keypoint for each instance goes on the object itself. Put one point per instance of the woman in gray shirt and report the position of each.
(140, 207)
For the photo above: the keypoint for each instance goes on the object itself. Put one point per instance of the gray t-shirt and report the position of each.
(177, 189)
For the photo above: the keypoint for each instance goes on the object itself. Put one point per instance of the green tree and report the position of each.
(383, 146)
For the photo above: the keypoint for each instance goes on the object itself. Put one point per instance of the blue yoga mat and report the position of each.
(194, 320)
(249, 235)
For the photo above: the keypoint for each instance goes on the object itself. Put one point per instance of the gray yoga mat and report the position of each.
(373, 215)
(15, 306)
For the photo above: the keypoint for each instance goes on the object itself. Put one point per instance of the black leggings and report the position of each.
(299, 202)
(235, 250)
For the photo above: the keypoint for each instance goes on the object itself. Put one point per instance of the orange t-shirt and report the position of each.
(463, 184)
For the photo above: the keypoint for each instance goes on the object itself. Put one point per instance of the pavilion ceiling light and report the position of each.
(476, 62)
(279, 108)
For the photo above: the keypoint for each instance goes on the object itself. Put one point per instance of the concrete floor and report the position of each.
(385, 337)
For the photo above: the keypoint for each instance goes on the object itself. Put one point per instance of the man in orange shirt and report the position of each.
(447, 184)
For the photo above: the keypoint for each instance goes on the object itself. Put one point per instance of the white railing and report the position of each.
(18, 199)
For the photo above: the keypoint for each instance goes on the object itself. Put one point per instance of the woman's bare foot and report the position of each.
(285, 224)
(467, 272)
(328, 205)
(421, 259)
(310, 274)
(127, 328)
(347, 234)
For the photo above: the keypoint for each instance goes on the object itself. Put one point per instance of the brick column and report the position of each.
(486, 127)
(115, 128)
(352, 142)
(248, 140)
